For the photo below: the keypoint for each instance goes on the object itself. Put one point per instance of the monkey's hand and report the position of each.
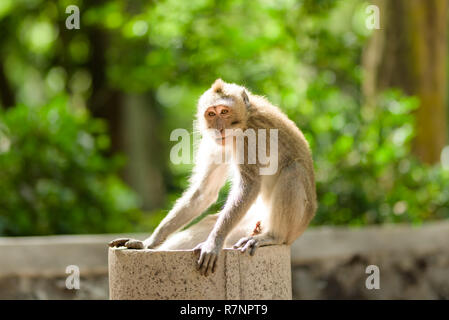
(208, 251)
(127, 242)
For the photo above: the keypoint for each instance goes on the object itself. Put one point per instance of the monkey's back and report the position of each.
(291, 141)
(293, 149)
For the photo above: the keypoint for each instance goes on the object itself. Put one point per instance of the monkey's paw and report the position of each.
(247, 243)
(127, 242)
(208, 252)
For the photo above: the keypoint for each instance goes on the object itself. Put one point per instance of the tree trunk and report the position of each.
(147, 161)
(7, 97)
(409, 52)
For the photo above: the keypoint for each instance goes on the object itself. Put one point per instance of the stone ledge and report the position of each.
(50, 255)
(151, 274)
(327, 263)
(331, 242)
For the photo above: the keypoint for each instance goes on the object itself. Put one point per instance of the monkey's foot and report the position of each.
(253, 242)
(127, 242)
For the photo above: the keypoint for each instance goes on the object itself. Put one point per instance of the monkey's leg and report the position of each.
(205, 184)
(203, 191)
(292, 203)
(256, 214)
(191, 237)
(290, 211)
(181, 240)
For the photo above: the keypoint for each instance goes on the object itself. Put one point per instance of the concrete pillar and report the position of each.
(152, 274)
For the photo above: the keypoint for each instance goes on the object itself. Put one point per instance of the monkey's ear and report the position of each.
(218, 86)
(245, 98)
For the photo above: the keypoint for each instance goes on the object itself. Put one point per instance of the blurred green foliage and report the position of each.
(365, 171)
(54, 177)
(305, 56)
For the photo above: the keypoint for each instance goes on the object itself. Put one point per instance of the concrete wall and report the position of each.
(327, 263)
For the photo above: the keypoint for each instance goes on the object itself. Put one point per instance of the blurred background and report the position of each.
(86, 114)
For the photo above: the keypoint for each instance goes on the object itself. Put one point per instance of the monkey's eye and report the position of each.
(211, 114)
(224, 111)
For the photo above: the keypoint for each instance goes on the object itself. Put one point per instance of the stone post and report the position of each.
(152, 274)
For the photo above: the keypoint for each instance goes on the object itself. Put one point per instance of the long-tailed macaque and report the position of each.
(263, 207)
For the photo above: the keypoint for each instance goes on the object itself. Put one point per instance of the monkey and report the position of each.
(261, 209)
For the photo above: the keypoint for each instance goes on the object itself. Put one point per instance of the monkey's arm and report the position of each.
(203, 191)
(242, 196)
(207, 179)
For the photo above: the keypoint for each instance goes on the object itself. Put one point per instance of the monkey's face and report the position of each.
(220, 120)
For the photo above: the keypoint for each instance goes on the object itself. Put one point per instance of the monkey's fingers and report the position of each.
(204, 264)
(198, 247)
(241, 242)
(118, 242)
(200, 260)
(134, 244)
(253, 248)
(211, 265)
(248, 245)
